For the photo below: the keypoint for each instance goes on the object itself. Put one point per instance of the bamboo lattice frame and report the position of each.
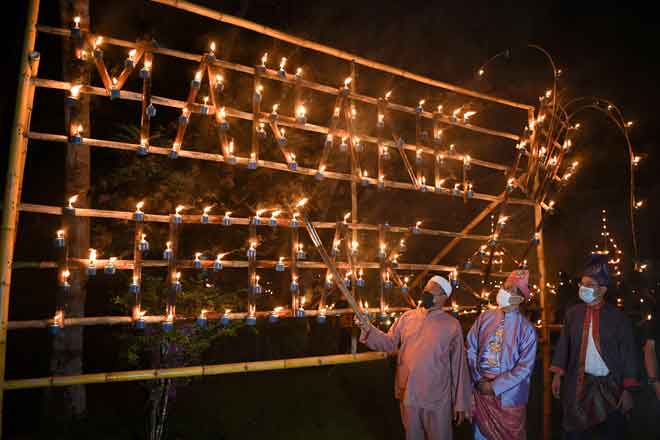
(21, 134)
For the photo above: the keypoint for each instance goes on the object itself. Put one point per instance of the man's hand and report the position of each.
(656, 388)
(459, 417)
(556, 385)
(362, 322)
(625, 402)
(486, 388)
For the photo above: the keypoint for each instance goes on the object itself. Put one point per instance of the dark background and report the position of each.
(604, 50)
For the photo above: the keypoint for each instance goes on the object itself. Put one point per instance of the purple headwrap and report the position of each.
(598, 269)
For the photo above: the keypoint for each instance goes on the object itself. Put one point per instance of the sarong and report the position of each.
(598, 397)
(496, 422)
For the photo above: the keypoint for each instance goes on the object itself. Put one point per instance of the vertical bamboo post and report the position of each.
(545, 317)
(381, 284)
(252, 272)
(295, 293)
(16, 167)
(145, 118)
(137, 270)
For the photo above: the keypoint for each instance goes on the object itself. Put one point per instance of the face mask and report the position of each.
(587, 294)
(503, 298)
(427, 300)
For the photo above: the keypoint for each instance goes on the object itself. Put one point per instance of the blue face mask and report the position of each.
(427, 300)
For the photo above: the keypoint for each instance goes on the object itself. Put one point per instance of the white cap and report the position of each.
(443, 283)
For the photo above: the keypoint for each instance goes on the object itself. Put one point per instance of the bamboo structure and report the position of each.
(426, 152)
(16, 166)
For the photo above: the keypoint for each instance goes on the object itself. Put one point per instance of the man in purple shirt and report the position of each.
(432, 379)
(501, 354)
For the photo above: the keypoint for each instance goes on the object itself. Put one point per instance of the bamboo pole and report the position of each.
(14, 182)
(545, 320)
(156, 319)
(264, 30)
(216, 219)
(196, 371)
(278, 166)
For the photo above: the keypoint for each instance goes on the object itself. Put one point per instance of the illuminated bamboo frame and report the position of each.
(21, 133)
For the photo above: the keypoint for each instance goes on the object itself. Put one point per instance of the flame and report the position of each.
(230, 148)
(147, 65)
(468, 115)
(346, 216)
(260, 211)
(365, 174)
(227, 311)
(264, 59)
(114, 81)
(60, 233)
(112, 260)
(198, 75)
(275, 213)
(456, 112)
(73, 200)
(221, 255)
(206, 100)
(421, 102)
(301, 202)
(207, 209)
(299, 71)
(92, 255)
(481, 72)
(223, 113)
(178, 209)
(219, 78)
(136, 279)
(302, 301)
(76, 20)
(418, 224)
(144, 236)
(65, 274)
(197, 255)
(132, 53)
(387, 95)
(260, 89)
(212, 46)
(281, 260)
(168, 245)
(347, 81)
(202, 313)
(277, 310)
(177, 276)
(275, 107)
(282, 63)
(75, 90)
(301, 111)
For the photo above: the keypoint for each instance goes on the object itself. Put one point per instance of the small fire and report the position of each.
(198, 75)
(139, 206)
(72, 200)
(388, 95)
(301, 202)
(348, 81)
(212, 46)
(75, 90)
(264, 59)
(178, 209)
(131, 54)
(207, 209)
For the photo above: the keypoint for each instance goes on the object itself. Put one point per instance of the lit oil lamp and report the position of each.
(402, 245)
(168, 253)
(64, 281)
(440, 186)
(210, 55)
(258, 93)
(76, 134)
(385, 152)
(184, 118)
(256, 288)
(219, 83)
(301, 114)
(74, 94)
(197, 263)
(419, 158)
(404, 286)
(298, 75)
(138, 317)
(225, 319)
(252, 250)
(143, 147)
(261, 131)
(293, 165)
(168, 324)
(365, 309)
(335, 113)
(202, 320)
(110, 268)
(196, 82)
(437, 136)
(134, 287)
(382, 251)
(261, 68)
(343, 145)
(275, 315)
(365, 178)
(380, 122)
(217, 264)
(320, 173)
(294, 287)
(422, 184)
(282, 140)
(129, 63)
(138, 215)
(70, 209)
(387, 282)
(252, 162)
(204, 219)
(272, 221)
(279, 266)
(231, 159)
(354, 247)
(204, 109)
(251, 319)
(300, 253)
(469, 190)
(381, 182)
(383, 315)
(145, 72)
(273, 114)
(91, 263)
(221, 116)
(177, 218)
(143, 244)
(335, 248)
(416, 229)
(75, 27)
(420, 106)
(347, 279)
(328, 284)
(282, 70)
(300, 311)
(57, 324)
(226, 219)
(457, 190)
(359, 146)
(360, 281)
(346, 89)
(176, 282)
(114, 89)
(453, 278)
(294, 222)
(60, 239)
(452, 150)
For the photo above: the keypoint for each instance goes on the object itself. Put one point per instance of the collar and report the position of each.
(596, 306)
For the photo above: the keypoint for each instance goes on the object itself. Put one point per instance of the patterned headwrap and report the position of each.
(597, 268)
(519, 278)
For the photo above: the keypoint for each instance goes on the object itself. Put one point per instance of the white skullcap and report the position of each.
(442, 283)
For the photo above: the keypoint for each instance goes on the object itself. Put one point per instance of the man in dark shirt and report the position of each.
(651, 362)
(596, 360)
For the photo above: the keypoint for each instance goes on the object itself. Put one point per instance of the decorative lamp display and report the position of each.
(252, 162)
(143, 244)
(328, 282)
(221, 116)
(301, 114)
(168, 253)
(60, 239)
(272, 221)
(184, 118)
(343, 145)
(360, 281)
(57, 324)
(138, 215)
(282, 70)
(134, 287)
(110, 268)
(404, 286)
(275, 315)
(226, 219)
(204, 219)
(252, 250)
(294, 287)
(273, 114)
(176, 282)
(300, 311)
(225, 319)
(70, 209)
(91, 263)
(217, 264)
(300, 252)
(416, 229)
(202, 320)
(279, 266)
(256, 289)
(143, 147)
(197, 263)
(387, 283)
(129, 63)
(346, 89)
(145, 72)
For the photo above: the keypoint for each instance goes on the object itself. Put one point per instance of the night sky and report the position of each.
(604, 51)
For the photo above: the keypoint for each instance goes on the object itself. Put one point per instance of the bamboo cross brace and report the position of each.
(128, 68)
(145, 119)
(335, 244)
(278, 136)
(100, 66)
(356, 171)
(333, 269)
(406, 161)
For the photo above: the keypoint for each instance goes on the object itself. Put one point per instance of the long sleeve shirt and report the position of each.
(502, 347)
(613, 340)
(432, 371)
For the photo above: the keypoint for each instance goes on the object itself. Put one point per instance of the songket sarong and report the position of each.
(496, 422)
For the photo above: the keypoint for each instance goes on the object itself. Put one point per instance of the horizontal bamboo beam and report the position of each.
(241, 264)
(273, 75)
(283, 121)
(202, 370)
(211, 316)
(279, 166)
(264, 30)
(217, 219)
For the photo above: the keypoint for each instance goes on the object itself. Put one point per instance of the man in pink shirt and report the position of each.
(432, 379)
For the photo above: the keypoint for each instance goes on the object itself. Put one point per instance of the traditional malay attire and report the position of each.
(432, 378)
(501, 349)
(597, 357)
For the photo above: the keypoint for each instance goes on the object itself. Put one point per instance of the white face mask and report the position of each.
(503, 298)
(587, 294)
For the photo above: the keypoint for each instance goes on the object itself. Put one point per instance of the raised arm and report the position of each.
(378, 340)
